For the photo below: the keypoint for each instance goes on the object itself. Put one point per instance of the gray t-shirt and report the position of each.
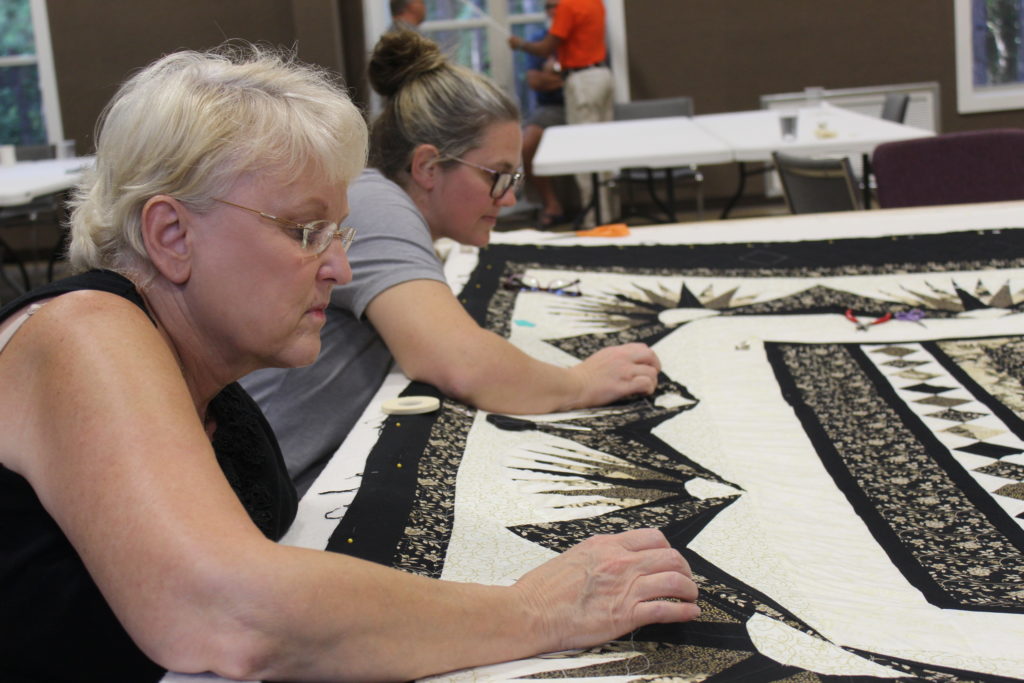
(312, 409)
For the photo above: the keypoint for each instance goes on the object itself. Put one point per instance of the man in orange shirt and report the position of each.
(577, 39)
(407, 15)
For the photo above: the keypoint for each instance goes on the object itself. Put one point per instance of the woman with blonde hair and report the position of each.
(141, 490)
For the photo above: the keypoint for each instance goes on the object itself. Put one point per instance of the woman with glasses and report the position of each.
(445, 157)
(141, 490)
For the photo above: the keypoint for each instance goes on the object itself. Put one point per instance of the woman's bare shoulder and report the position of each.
(75, 360)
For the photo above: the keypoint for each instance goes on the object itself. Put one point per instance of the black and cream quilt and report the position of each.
(849, 495)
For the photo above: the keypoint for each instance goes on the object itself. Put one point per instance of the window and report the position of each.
(989, 55)
(29, 111)
(475, 33)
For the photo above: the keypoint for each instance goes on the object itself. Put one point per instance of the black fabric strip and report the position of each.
(938, 451)
(849, 486)
(908, 253)
(376, 520)
(1012, 421)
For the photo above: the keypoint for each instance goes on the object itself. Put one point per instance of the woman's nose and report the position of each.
(336, 266)
(507, 199)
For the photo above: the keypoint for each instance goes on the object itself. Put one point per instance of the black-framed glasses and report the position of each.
(528, 283)
(314, 236)
(503, 180)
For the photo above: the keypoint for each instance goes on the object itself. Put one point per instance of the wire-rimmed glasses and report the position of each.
(315, 236)
(503, 180)
(528, 283)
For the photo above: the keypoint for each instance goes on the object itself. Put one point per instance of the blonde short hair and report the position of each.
(190, 124)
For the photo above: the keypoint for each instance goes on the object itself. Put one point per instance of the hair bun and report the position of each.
(400, 57)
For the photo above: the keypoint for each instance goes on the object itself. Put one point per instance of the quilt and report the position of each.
(836, 445)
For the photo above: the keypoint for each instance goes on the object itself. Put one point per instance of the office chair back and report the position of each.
(954, 168)
(895, 106)
(652, 109)
(816, 185)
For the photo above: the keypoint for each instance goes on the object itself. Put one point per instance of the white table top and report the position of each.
(22, 182)
(710, 139)
(612, 145)
(754, 135)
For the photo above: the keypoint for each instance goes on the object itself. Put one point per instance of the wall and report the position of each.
(727, 53)
(724, 53)
(98, 44)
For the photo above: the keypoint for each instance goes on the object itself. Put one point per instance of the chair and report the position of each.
(649, 177)
(895, 106)
(893, 109)
(816, 185)
(954, 168)
(28, 214)
(7, 254)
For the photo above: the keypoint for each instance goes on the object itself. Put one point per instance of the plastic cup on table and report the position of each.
(787, 125)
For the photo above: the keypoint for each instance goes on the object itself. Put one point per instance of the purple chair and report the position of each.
(955, 168)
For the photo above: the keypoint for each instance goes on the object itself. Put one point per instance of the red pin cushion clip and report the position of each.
(862, 327)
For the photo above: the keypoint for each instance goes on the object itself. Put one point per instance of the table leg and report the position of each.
(744, 172)
(595, 203)
(670, 193)
(5, 251)
(739, 191)
(60, 250)
(865, 179)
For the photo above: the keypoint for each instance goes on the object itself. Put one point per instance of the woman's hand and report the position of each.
(616, 372)
(607, 586)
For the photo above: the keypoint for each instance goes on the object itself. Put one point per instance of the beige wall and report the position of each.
(98, 43)
(727, 53)
(724, 53)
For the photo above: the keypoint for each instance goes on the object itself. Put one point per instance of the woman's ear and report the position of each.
(166, 237)
(424, 167)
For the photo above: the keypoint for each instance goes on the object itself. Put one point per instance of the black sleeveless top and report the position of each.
(54, 624)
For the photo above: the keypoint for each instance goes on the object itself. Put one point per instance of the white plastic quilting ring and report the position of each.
(410, 405)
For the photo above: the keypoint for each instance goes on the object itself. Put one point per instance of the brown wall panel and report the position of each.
(98, 43)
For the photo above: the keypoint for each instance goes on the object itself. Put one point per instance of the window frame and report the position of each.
(43, 60)
(377, 19)
(970, 98)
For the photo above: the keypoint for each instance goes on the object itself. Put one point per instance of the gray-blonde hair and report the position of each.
(429, 100)
(191, 124)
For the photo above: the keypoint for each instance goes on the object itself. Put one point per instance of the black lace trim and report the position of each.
(251, 460)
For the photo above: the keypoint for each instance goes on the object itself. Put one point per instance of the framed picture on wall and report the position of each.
(989, 55)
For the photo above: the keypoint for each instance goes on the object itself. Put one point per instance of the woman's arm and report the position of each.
(105, 429)
(317, 615)
(434, 340)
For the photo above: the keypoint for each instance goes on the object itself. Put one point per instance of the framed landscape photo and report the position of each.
(989, 55)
